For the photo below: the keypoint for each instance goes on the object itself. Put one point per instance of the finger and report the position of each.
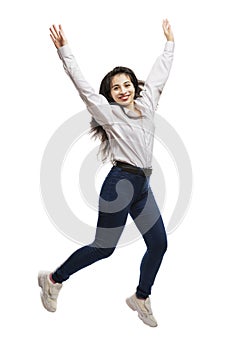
(53, 32)
(61, 31)
(167, 27)
(53, 37)
(55, 29)
(165, 24)
(54, 40)
(62, 35)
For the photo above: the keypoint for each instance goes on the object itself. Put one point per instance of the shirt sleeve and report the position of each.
(96, 103)
(158, 76)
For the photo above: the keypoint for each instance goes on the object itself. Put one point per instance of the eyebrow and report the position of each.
(127, 81)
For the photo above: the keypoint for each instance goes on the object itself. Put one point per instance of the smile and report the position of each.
(124, 98)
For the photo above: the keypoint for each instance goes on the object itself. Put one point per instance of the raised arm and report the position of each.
(96, 104)
(158, 76)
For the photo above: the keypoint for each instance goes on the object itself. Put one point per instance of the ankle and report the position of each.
(140, 298)
(51, 278)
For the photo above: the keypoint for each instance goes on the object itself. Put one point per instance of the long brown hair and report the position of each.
(97, 130)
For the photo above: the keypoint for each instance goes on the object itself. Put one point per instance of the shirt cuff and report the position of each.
(64, 51)
(169, 46)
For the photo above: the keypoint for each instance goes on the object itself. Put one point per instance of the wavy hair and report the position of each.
(97, 131)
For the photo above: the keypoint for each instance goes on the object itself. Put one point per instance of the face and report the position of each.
(122, 90)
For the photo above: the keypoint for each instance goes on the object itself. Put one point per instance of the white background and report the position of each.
(192, 296)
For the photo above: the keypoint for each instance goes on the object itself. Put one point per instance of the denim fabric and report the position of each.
(123, 193)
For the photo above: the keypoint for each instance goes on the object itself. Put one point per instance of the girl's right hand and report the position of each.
(58, 36)
(167, 30)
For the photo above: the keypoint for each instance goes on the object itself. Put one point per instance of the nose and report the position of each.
(123, 90)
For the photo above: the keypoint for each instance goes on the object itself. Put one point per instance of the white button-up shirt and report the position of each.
(131, 137)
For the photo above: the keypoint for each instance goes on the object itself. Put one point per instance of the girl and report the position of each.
(123, 117)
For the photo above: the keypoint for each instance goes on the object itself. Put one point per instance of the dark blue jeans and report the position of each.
(123, 193)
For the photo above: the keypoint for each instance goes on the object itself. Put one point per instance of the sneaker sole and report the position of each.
(148, 324)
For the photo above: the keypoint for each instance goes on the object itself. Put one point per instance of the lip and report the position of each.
(124, 98)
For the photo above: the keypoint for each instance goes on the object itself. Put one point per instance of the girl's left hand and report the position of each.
(167, 30)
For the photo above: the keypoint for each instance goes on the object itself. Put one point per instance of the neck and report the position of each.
(132, 108)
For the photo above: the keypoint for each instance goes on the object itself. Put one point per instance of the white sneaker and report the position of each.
(49, 291)
(143, 307)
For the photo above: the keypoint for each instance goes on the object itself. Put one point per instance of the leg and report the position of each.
(109, 228)
(147, 218)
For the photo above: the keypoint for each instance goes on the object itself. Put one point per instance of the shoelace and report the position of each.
(148, 306)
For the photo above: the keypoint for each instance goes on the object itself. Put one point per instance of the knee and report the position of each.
(162, 243)
(102, 253)
(162, 239)
(106, 252)
(165, 245)
(158, 245)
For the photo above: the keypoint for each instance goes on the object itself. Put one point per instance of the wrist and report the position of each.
(170, 38)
